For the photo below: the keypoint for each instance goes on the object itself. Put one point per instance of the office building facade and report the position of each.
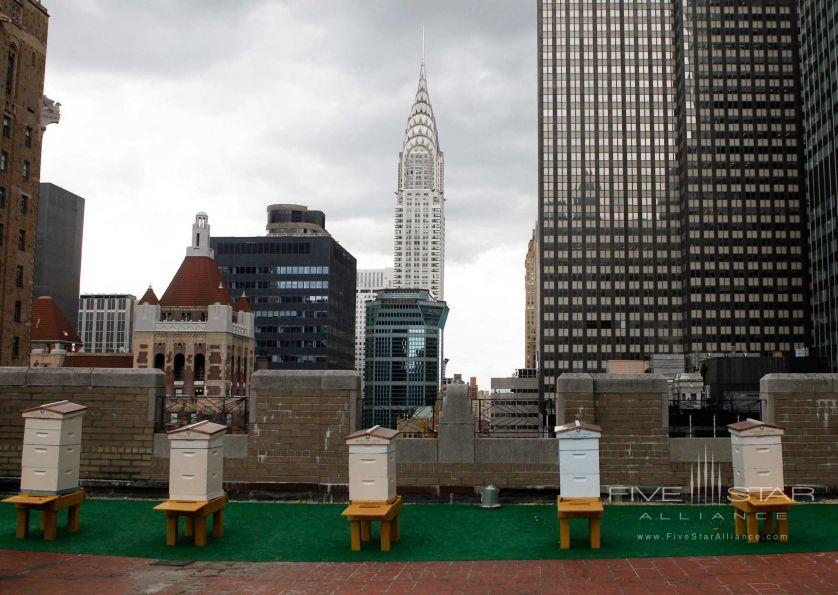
(404, 354)
(671, 216)
(106, 322)
(818, 43)
(369, 282)
(58, 247)
(301, 285)
(531, 309)
(23, 41)
(419, 251)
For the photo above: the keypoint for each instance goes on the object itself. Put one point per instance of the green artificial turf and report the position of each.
(255, 531)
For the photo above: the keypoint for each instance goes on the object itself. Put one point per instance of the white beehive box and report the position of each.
(757, 456)
(196, 462)
(372, 465)
(579, 460)
(51, 448)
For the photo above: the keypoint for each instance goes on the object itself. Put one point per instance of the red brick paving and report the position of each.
(29, 572)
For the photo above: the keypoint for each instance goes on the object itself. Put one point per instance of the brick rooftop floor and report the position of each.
(29, 572)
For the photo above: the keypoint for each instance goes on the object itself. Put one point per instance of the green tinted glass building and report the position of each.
(403, 370)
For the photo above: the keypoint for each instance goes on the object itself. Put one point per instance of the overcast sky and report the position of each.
(225, 106)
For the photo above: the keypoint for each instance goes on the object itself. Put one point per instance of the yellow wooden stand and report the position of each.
(574, 508)
(746, 515)
(196, 514)
(49, 506)
(361, 514)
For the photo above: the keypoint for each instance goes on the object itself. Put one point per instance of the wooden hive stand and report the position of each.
(196, 514)
(49, 505)
(361, 514)
(773, 509)
(575, 508)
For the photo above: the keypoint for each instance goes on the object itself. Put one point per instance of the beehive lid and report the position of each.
(56, 410)
(754, 427)
(202, 430)
(373, 435)
(577, 430)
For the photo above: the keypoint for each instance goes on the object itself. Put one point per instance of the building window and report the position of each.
(4, 161)
(199, 367)
(21, 240)
(10, 69)
(19, 276)
(2, 198)
(15, 347)
(7, 126)
(178, 367)
(28, 136)
(159, 361)
(26, 170)
(17, 311)
(24, 204)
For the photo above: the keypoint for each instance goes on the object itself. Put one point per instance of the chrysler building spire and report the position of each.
(419, 251)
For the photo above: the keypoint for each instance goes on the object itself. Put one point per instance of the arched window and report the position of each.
(199, 367)
(11, 58)
(180, 361)
(159, 361)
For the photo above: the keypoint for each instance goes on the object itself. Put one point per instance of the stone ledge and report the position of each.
(629, 383)
(306, 379)
(799, 383)
(571, 382)
(82, 377)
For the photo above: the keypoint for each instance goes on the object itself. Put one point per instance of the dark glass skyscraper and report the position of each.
(819, 54)
(301, 285)
(671, 214)
(404, 353)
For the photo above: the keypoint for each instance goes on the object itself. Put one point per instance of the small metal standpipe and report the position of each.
(490, 497)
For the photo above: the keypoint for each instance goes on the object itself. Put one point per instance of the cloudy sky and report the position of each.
(224, 106)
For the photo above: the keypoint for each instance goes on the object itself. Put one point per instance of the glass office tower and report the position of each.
(819, 55)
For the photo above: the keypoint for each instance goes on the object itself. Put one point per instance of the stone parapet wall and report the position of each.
(299, 419)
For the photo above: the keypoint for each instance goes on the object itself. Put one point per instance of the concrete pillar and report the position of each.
(575, 398)
(456, 426)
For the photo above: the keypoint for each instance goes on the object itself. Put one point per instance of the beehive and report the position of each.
(51, 448)
(757, 456)
(196, 462)
(579, 460)
(372, 465)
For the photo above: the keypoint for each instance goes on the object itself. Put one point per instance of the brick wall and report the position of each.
(118, 428)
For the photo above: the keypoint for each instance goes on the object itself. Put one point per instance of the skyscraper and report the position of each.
(301, 285)
(370, 281)
(531, 302)
(818, 42)
(404, 354)
(106, 322)
(419, 251)
(609, 218)
(741, 177)
(671, 216)
(58, 248)
(23, 39)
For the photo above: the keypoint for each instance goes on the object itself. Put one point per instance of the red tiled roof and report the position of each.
(149, 297)
(243, 304)
(95, 360)
(197, 284)
(49, 325)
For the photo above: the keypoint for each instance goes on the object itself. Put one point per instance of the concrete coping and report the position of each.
(798, 383)
(572, 382)
(306, 379)
(83, 377)
(630, 383)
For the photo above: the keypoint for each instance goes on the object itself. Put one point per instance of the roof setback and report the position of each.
(49, 324)
(197, 284)
(374, 432)
(204, 427)
(64, 407)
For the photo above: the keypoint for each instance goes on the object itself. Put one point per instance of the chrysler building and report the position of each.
(419, 252)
